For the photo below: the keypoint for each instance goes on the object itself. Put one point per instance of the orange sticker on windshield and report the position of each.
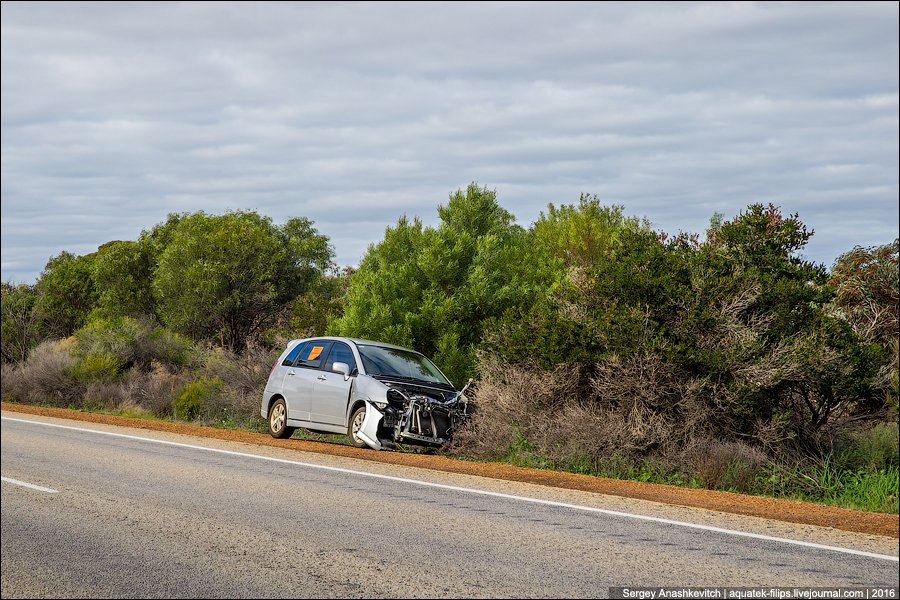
(316, 351)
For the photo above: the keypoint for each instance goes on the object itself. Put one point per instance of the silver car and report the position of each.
(379, 394)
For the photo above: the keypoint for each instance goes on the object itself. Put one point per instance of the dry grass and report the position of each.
(104, 395)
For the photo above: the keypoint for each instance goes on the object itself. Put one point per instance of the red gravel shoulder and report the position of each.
(769, 508)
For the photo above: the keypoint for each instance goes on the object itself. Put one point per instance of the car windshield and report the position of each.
(394, 362)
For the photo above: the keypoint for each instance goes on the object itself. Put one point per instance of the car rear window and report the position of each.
(290, 358)
(313, 354)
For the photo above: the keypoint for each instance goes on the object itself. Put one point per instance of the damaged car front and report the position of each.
(406, 400)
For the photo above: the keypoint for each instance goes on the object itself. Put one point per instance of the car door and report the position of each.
(331, 394)
(300, 379)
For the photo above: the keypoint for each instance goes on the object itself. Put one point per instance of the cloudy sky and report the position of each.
(114, 115)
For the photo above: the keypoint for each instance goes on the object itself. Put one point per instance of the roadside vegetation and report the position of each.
(721, 360)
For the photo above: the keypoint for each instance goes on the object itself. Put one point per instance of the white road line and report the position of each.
(28, 485)
(481, 492)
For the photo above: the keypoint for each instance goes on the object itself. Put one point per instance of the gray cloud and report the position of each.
(114, 115)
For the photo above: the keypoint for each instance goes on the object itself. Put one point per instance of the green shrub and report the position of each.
(676, 340)
(823, 481)
(189, 403)
(878, 447)
(134, 344)
(116, 337)
(165, 347)
(102, 366)
(520, 451)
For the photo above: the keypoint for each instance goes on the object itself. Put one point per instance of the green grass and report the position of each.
(872, 489)
(328, 438)
(871, 486)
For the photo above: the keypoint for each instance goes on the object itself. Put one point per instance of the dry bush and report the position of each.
(633, 408)
(510, 402)
(711, 459)
(627, 409)
(775, 434)
(726, 465)
(238, 404)
(647, 406)
(10, 382)
(155, 391)
(128, 408)
(243, 380)
(105, 395)
(42, 378)
(49, 376)
(745, 467)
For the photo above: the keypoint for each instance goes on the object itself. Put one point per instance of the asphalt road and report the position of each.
(150, 514)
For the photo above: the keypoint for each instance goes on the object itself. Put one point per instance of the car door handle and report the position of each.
(291, 373)
(322, 378)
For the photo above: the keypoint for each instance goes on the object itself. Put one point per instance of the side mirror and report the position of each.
(342, 368)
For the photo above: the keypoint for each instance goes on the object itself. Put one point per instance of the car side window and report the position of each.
(313, 354)
(290, 358)
(341, 353)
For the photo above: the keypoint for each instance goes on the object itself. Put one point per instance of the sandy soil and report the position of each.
(769, 508)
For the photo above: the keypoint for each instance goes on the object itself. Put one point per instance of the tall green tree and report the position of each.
(432, 289)
(755, 322)
(123, 274)
(21, 327)
(225, 277)
(323, 302)
(581, 235)
(67, 292)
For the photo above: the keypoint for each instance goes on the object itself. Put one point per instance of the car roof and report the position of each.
(357, 341)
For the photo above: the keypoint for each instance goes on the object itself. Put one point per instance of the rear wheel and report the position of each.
(356, 421)
(278, 421)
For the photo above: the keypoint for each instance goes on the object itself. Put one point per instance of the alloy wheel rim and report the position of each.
(277, 418)
(357, 425)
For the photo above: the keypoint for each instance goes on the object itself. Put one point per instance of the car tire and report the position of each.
(356, 421)
(278, 420)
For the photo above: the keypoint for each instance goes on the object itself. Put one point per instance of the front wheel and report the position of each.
(356, 422)
(278, 421)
